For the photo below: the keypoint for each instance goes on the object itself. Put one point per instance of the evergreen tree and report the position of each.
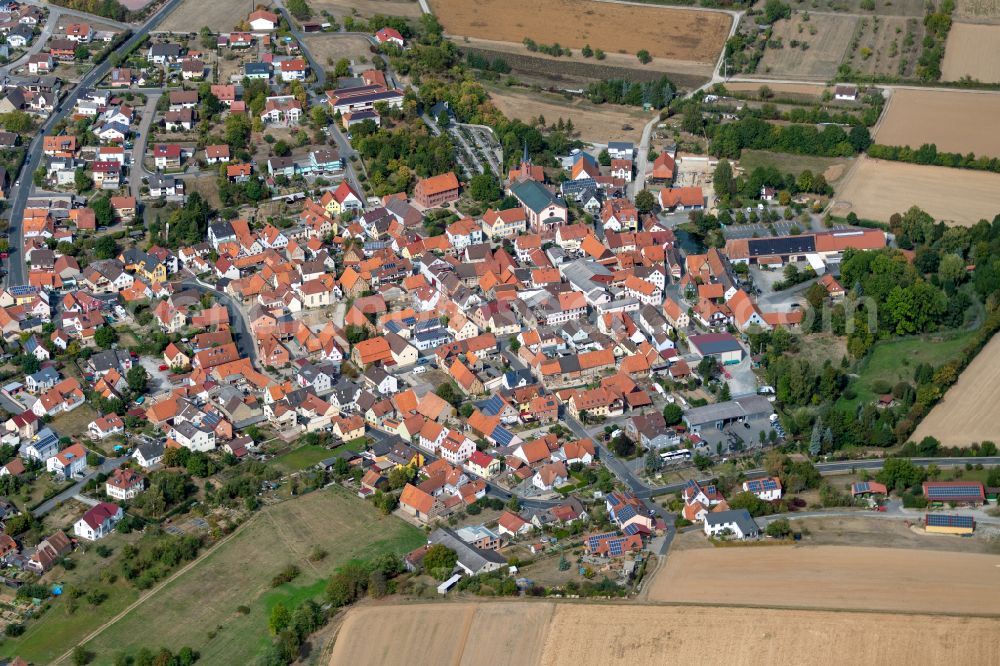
(815, 441)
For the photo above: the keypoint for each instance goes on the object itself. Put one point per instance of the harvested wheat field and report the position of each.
(977, 11)
(218, 15)
(955, 121)
(582, 634)
(970, 410)
(678, 34)
(875, 189)
(599, 124)
(844, 577)
(971, 51)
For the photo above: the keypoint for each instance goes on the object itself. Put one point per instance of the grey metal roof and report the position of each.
(471, 558)
(741, 517)
(534, 195)
(753, 406)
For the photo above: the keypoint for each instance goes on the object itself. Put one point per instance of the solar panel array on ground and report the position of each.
(947, 520)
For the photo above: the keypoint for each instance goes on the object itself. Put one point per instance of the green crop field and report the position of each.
(205, 601)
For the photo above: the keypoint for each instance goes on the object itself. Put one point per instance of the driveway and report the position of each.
(241, 326)
(104, 468)
(136, 171)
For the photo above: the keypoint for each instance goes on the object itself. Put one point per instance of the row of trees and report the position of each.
(657, 93)
(928, 154)
(832, 141)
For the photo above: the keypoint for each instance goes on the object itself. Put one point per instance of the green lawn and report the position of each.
(200, 609)
(787, 163)
(895, 361)
(300, 458)
(58, 629)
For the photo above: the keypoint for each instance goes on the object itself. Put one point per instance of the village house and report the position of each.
(98, 521)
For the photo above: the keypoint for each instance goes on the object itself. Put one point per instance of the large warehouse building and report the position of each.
(722, 414)
(721, 346)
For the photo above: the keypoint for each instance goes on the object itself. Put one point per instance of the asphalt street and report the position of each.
(64, 108)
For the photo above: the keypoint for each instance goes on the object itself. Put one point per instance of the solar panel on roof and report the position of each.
(944, 520)
(502, 436)
(861, 487)
(954, 491)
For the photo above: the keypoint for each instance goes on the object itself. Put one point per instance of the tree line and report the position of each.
(928, 153)
(730, 139)
(657, 93)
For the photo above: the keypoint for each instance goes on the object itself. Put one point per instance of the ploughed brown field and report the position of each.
(955, 121)
(842, 577)
(677, 34)
(583, 634)
(875, 189)
(970, 410)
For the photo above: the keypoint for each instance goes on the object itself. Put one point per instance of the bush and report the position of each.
(286, 575)
(779, 528)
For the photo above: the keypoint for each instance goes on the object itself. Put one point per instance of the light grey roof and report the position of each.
(753, 406)
(471, 558)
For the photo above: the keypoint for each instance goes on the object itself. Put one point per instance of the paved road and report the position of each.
(106, 467)
(136, 171)
(36, 46)
(83, 15)
(346, 153)
(241, 327)
(293, 27)
(20, 196)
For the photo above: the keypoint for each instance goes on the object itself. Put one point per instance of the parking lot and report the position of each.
(737, 437)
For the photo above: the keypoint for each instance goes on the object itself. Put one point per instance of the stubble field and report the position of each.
(328, 48)
(875, 189)
(218, 15)
(367, 8)
(957, 122)
(841, 577)
(970, 409)
(676, 34)
(582, 634)
(977, 11)
(971, 50)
